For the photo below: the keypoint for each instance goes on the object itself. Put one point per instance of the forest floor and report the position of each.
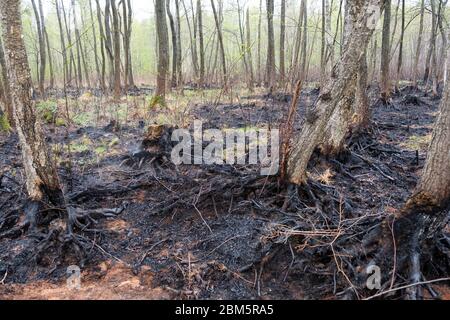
(214, 232)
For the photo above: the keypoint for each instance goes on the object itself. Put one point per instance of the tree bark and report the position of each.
(163, 48)
(400, 51)
(173, 32)
(62, 42)
(333, 93)
(221, 45)
(283, 41)
(6, 86)
(419, 44)
(102, 45)
(201, 42)
(42, 49)
(270, 67)
(116, 33)
(42, 180)
(385, 55)
(249, 50)
(100, 79)
(109, 44)
(425, 214)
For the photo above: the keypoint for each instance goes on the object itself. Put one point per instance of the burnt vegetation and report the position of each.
(87, 178)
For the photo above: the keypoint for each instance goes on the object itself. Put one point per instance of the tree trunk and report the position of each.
(270, 67)
(173, 33)
(298, 40)
(329, 60)
(84, 61)
(201, 41)
(425, 214)
(72, 66)
(130, 30)
(221, 46)
(100, 79)
(102, 45)
(6, 86)
(179, 61)
(336, 89)
(432, 42)
(116, 33)
(419, 44)
(385, 55)
(42, 180)
(304, 40)
(163, 48)
(400, 51)
(282, 41)
(42, 50)
(62, 42)
(109, 44)
(249, 50)
(259, 41)
(77, 45)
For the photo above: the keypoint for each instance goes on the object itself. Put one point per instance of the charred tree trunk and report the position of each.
(425, 214)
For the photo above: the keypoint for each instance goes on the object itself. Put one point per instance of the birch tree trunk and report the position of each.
(42, 180)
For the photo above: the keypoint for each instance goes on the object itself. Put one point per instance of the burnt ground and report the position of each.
(218, 232)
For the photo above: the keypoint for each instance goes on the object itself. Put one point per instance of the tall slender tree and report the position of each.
(385, 55)
(270, 66)
(163, 48)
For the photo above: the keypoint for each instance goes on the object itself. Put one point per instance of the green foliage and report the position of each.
(60, 122)
(48, 110)
(4, 123)
(156, 101)
(82, 119)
